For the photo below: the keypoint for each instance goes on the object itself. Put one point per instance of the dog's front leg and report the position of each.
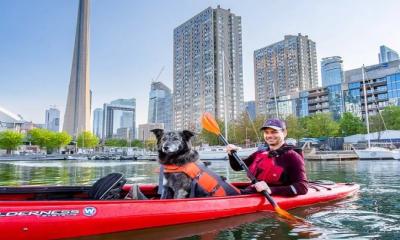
(167, 193)
(181, 193)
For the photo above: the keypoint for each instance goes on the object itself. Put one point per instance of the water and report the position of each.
(374, 213)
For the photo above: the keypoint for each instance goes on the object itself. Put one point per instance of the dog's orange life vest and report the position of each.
(210, 183)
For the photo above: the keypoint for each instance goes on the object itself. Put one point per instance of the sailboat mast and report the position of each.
(365, 105)
(276, 102)
(224, 91)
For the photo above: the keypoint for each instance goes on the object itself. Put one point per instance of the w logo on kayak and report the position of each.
(89, 211)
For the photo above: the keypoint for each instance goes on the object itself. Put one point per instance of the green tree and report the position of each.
(376, 123)
(39, 137)
(246, 129)
(10, 140)
(57, 140)
(391, 115)
(111, 142)
(294, 128)
(87, 140)
(320, 125)
(239, 132)
(116, 142)
(150, 144)
(48, 140)
(137, 143)
(350, 124)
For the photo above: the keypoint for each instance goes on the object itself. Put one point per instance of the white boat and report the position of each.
(151, 156)
(396, 154)
(371, 152)
(219, 153)
(213, 153)
(375, 153)
(245, 152)
(77, 157)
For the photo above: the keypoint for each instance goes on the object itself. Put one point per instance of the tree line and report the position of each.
(45, 139)
(313, 126)
(54, 141)
(243, 131)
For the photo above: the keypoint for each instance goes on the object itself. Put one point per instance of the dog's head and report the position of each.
(171, 144)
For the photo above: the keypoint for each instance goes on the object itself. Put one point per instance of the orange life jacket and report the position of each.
(208, 181)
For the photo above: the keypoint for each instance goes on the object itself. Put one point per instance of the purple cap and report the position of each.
(274, 123)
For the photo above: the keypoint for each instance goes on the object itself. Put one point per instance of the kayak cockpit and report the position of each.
(39, 193)
(45, 193)
(49, 193)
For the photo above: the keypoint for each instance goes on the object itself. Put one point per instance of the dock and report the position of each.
(331, 156)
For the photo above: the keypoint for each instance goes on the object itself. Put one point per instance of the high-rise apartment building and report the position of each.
(208, 73)
(382, 85)
(332, 71)
(160, 105)
(52, 119)
(98, 122)
(387, 55)
(126, 120)
(284, 68)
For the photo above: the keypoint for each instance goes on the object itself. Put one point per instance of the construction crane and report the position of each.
(155, 80)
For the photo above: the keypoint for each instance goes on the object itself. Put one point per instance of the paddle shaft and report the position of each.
(249, 174)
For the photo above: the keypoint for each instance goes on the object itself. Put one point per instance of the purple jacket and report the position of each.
(293, 179)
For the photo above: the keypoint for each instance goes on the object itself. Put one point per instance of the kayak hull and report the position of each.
(37, 219)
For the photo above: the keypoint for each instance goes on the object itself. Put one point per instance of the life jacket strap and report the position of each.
(206, 181)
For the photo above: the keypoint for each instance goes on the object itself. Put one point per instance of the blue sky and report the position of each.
(132, 40)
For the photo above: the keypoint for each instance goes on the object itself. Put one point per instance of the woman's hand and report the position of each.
(261, 186)
(230, 148)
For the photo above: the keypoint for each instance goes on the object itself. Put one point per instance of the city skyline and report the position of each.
(39, 57)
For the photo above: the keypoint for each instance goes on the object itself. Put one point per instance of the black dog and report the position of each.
(184, 175)
(175, 148)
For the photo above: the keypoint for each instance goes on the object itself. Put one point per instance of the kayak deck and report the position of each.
(26, 214)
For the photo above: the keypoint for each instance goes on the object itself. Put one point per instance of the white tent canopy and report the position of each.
(9, 117)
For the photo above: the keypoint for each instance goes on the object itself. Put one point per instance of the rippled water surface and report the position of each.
(374, 213)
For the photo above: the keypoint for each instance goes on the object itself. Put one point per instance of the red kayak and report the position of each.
(64, 212)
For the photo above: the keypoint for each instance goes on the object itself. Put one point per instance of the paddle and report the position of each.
(209, 123)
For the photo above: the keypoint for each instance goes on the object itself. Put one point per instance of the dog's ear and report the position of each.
(187, 135)
(158, 133)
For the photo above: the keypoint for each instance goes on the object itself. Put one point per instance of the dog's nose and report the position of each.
(165, 148)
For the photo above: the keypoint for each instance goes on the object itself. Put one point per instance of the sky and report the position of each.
(131, 41)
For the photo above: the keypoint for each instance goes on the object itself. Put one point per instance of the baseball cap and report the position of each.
(274, 123)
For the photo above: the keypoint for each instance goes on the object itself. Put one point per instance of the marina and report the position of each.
(95, 95)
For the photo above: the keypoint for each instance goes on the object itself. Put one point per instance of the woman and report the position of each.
(279, 166)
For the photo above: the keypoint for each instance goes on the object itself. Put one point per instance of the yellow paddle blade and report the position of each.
(288, 216)
(208, 122)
